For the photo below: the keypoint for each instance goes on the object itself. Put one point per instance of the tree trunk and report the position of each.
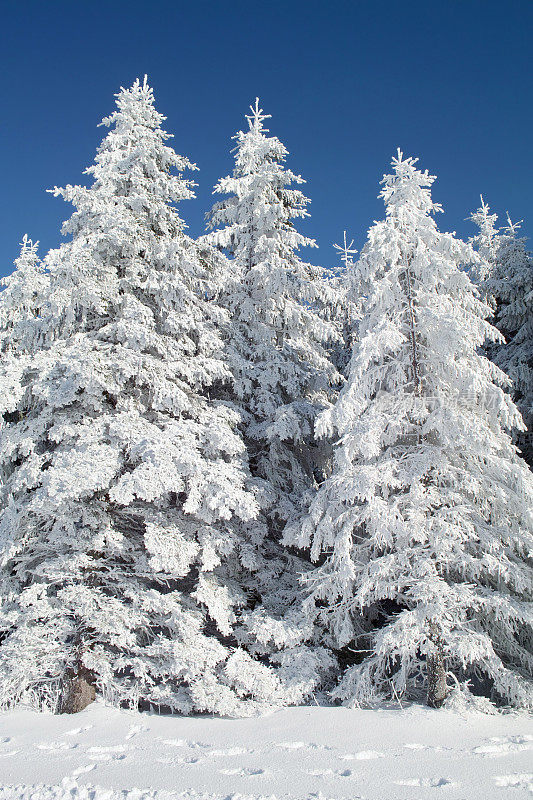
(78, 692)
(436, 678)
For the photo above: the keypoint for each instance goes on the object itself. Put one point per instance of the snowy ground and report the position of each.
(296, 754)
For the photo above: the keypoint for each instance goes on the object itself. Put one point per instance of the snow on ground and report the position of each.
(295, 754)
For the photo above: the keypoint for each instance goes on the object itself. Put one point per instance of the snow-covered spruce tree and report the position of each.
(278, 339)
(21, 299)
(346, 313)
(509, 285)
(424, 529)
(24, 292)
(484, 243)
(123, 490)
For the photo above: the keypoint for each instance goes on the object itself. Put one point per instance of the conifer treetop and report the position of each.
(256, 118)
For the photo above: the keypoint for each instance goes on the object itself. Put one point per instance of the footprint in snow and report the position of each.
(82, 770)
(362, 755)
(421, 747)
(242, 772)
(331, 773)
(501, 746)
(232, 751)
(516, 780)
(185, 743)
(56, 747)
(432, 783)
(302, 746)
(135, 729)
(105, 754)
(173, 761)
(77, 731)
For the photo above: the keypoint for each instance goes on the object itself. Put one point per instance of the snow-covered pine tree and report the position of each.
(507, 281)
(424, 531)
(123, 489)
(510, 283)
(278, 339)
(484, 243)
(23, 294)
(347, 311)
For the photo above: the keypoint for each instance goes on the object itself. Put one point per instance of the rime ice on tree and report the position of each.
(425, 527)
(485, 242)
(278, 339)
(347, 312)
(508, 281)
(124, 486)
(24, 293)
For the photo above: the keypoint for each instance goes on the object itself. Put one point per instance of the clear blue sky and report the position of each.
(346, 84)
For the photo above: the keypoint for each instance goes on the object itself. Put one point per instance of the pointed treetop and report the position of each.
(27, 246)
(484, 220)
(137, 88)
(346, 251)
(512, 227)
(138, 99)
(255, 119)
(486, 240)
(408, 185)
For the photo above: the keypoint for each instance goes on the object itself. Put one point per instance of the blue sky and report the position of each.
(346, 84)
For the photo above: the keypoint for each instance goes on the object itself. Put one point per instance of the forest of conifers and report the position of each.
(232, 480)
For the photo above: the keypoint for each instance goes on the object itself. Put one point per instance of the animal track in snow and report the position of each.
(501, 746)
(515, 781)
(362, 755)
(432, 783)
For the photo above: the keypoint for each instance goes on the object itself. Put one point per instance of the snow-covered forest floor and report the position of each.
(327, 753)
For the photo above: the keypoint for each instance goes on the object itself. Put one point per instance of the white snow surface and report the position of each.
(304, 753)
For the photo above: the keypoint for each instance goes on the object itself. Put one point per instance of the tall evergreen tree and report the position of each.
(424, 531)
(346, 313)
(484, 243)
(278, 340)
(125, 491)
(24, 292)
(508, 282)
